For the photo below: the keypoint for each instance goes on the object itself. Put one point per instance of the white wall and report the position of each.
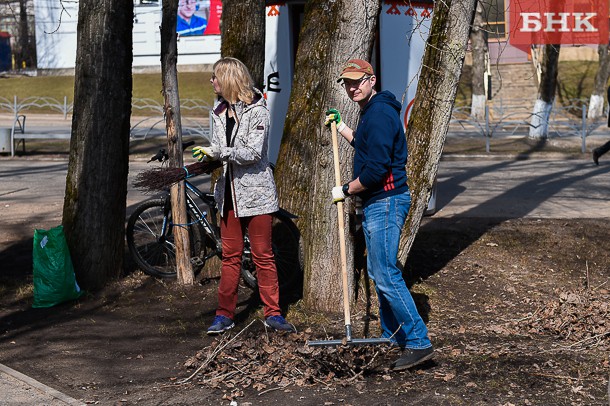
(56, 37)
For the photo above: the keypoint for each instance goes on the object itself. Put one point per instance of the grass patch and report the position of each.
(191, 85)
(575, 79)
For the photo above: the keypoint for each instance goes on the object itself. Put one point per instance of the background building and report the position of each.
(56, 35)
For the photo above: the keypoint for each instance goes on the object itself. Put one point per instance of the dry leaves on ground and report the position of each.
(269, 361)
(580, 317)
(264, 361)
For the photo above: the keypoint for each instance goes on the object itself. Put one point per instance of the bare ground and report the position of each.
(517, 311)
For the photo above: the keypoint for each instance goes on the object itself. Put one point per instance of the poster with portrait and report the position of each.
(198, 17)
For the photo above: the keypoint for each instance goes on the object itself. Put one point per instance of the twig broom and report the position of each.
(156, 179)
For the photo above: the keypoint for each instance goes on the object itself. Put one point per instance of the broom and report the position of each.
(157, 179)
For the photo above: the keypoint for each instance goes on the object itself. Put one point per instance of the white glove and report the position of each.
(210, 153)
(338, 195)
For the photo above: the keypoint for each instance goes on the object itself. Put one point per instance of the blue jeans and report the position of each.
(383, 220)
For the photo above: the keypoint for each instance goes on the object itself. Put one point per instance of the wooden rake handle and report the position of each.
(341, 226)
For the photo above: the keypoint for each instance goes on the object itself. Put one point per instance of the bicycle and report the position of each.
(151, 241)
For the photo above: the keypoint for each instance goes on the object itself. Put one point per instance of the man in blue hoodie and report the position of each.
(380, 180)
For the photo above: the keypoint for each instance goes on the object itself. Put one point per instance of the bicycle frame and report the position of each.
(200, 216)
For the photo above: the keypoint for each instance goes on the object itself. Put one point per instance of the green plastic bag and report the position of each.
(54, 280)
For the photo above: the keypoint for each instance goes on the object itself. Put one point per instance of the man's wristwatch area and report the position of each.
(345, 189)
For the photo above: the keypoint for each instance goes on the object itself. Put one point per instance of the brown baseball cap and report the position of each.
(356, 69)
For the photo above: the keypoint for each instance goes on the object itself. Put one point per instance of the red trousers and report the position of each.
(232, 232)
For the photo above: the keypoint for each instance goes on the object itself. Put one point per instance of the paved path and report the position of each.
(19, 389)
(557, 188)
(32, 193)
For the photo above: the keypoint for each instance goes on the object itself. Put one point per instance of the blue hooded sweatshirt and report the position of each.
(380, 149)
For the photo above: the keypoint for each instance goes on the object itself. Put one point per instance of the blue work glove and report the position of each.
(210, 153)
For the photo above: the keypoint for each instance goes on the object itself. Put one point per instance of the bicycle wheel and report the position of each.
(153, 251)
(287, 250)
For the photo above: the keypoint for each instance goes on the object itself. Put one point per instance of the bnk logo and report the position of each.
(535, 22)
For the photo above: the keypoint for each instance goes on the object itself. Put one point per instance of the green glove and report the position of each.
(210, 153)
(333, 115)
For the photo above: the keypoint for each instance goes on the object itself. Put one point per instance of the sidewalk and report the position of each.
(19, 389)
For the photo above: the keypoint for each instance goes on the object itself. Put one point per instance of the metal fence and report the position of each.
(17, 107)
(191, 112)
(507, 119)
(149, 114)
(501, 118)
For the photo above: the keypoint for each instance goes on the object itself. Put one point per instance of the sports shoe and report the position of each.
(220, 325)
(412, 357)
(279, 323)
(596, 156)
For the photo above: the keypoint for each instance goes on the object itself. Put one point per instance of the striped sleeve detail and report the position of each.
(388, 182)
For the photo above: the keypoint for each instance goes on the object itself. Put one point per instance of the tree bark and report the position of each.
(96, 184)
(478, 41)
(243, 35)
(304, 171)
(171, 108)
(429, 121)
(26, 56)
(596, 103)
(539, 128)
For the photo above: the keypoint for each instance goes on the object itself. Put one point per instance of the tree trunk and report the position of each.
(304, 171)
(24, 36)
(243, 35)
(596, 103)
(429, 122)
(539, 128)
(478, 40)
(171, 108)
(96, 184)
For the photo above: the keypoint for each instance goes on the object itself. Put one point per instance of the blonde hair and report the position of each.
(235, 81)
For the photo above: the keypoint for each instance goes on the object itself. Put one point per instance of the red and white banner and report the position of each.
(572, 22)
(278, 71)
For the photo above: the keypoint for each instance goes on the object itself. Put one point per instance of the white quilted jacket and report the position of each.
(245, 160)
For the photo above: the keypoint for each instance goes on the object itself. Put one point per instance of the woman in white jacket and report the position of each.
(245, 192)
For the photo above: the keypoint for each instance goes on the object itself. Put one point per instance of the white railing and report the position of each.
(17, 107)
(569, 119)
(149, 113)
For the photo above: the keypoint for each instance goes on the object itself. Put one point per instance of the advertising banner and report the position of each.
(198, 17)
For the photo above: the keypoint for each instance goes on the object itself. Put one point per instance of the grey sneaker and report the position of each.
(412, 357)
(279, 323)
(220, 325)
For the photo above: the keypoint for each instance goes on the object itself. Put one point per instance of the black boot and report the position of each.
(599, 151)
(596, 155)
